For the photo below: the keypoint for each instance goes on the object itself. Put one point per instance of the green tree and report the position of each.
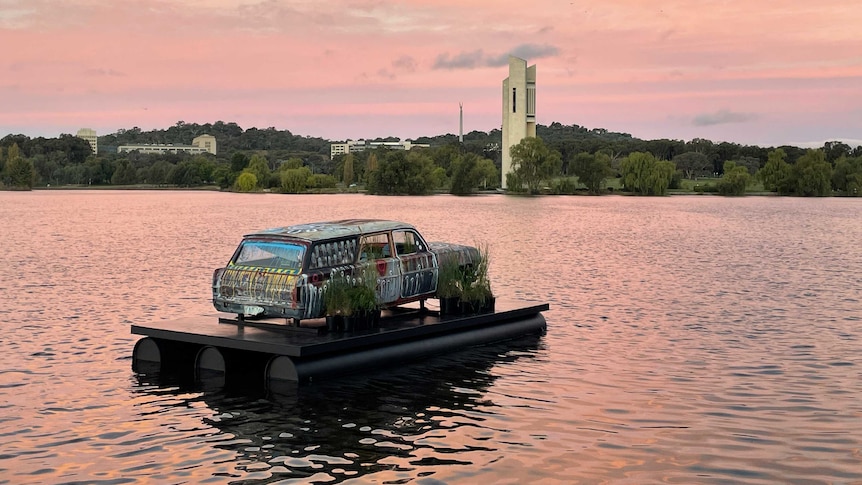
(6, 154)
(292, 162)
(238, 162)
(99, 170)
(645, 175)
(320, 181)
(295, 180)
(222, 176)
(533, 163)
(812, 175)
(205, 166)
(402, 173)
(19, 171)
(489, 175)
(692, 164)
(592, 170)
(734, 180)
(13, 152)
(347, 176)
(438, 175)
(160, 172)
(752, 164)
(776, 173)
(125, 173)
(73, 174)
(246, 182)
(833, 150)
(371, 165)
(847, 176)
(185, 174)
(259, 166)
(465, 176)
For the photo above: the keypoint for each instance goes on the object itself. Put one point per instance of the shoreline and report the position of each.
(213, 188)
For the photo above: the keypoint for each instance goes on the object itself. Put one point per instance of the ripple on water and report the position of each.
(683, 346)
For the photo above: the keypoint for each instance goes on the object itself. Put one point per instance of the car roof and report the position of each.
(317, 231)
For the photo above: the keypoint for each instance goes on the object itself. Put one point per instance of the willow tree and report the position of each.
(812, 174)
(259, 166)
(847, 176)
(246, 182)
(295, 180)
(735, 179)
(643, 174)
(775, 174)
(533, 164)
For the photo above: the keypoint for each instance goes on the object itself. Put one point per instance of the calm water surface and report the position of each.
(690, 340)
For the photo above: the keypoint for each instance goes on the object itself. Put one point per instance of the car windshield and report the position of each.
(273, 255)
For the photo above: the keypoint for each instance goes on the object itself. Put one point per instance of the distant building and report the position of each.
(519, 108)
(89, 135)
(349, 147)
(352, 146)
(201, 144)
(207, 142)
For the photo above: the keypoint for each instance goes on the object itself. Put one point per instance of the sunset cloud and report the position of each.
(478, 58)
(722, 117)
(761, 73)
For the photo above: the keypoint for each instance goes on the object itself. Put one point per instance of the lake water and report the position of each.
(690, 340)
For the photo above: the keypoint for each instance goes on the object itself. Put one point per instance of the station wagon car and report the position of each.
(282, 272)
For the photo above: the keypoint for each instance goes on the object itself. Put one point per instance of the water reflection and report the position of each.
(402, 421)
(690, 340)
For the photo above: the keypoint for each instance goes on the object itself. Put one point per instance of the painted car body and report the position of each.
(282, 272)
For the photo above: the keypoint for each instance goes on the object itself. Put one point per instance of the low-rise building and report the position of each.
(353, 146)
(201, 144)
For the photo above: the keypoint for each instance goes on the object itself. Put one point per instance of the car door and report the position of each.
(417, 264)
(375, 250)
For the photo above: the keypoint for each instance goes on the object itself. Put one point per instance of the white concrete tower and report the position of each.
(519, 108)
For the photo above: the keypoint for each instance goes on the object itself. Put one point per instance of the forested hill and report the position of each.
(230, 138)
(569, 140)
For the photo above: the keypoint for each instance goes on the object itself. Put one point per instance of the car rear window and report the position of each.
(273, 255)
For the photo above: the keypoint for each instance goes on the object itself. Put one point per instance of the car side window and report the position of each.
(333, 253)
(407, 242)
(375, 246)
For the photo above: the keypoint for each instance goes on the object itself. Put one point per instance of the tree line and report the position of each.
(536, 167)
(562, 159)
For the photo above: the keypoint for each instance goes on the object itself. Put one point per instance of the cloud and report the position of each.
(525, 51)
(14, 16)
(99, 72)
(464, 60)
(405, 63)
(478, 58)
(722, 117)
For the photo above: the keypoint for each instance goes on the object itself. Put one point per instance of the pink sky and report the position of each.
(769, 72)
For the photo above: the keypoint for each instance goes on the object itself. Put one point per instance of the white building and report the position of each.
(89, 135)
(519, 108)
(349, 147)
(352, 146)
(201, 144)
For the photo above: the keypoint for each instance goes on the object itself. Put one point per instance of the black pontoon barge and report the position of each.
(274, 350)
